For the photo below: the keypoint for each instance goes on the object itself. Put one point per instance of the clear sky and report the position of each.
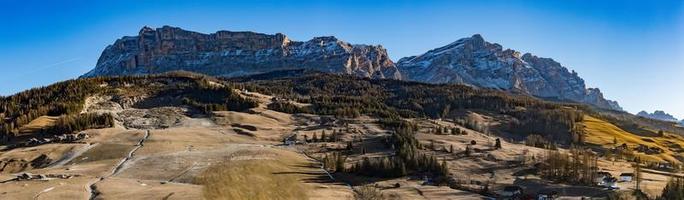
(632, 50)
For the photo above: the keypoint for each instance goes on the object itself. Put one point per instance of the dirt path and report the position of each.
(43, 191)
(322, 167)
(93, 189)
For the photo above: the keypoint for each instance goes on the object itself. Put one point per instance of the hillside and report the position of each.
(298, 134)
(609, 136)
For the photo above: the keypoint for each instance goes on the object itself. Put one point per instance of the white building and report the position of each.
(626, 177)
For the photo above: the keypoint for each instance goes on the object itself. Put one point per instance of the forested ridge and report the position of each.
(63, 98)
(329, 94)
(348, 96)
(66, 99)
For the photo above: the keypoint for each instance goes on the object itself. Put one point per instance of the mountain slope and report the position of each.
(474, 61)
(604, 133)
(659, 115)
(230, 54)
(220, 137)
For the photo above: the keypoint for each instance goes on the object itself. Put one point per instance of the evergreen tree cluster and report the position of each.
(73, 123)
(63, 98)
(210, 97)
(539, 141)
(407, 158)
(334, 161)
(674, 190)
(67, 99)
(577, 167)
(550, 121)
(287, 107)
(348, 96)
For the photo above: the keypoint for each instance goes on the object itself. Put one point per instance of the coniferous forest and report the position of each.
(392, 100)
(66, 100)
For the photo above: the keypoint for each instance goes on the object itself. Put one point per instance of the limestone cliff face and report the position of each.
(229, 54)
(473, 61)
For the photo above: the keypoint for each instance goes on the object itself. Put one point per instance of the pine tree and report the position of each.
(637, 173)
(323, 137)
(339, 163)
(467, 151)
(497, 144)
(444, 170)
(334, 136)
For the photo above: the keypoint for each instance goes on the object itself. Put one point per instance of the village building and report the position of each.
(626, 177)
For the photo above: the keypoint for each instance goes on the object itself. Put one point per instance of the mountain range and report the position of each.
(474, 61)
(470, 61)
(231, 54)
(659, 115)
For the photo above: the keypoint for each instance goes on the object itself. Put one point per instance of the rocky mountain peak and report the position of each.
(659, 115)
(471, 61)
(228, 53)
(474, 61)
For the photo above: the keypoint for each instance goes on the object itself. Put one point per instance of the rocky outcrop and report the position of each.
(14, 165)
(230, 54)
(659, 115)
(473, 61)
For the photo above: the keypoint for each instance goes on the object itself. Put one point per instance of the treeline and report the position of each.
(287, 107)
(68, 98)
(347, 96)
(577, 167)
(673, 190)
(64, 98)
(560, 120)
(407, 158)
(208, 94)
(538, 141)
(73, 123)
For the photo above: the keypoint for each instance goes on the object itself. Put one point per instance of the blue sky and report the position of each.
(632, 50)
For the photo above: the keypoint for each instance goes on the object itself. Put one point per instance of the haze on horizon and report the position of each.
(632, 50)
